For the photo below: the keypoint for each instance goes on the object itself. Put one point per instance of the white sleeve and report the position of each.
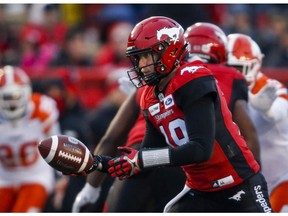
(278, 110)
(264, 99)
(126, 86)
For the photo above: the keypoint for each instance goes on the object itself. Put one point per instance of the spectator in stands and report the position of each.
(73, 51)
(276, 55)
(193, 12)
(37, 53)
(113, 51)
(240, 19)
(41, 40)
(53, 26)
(12, 17)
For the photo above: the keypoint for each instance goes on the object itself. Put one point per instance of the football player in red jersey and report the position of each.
(234, 87)
(185, 109)
(208, 42)
(121, 197)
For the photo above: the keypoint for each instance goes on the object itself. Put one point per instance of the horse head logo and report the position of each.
(173, 33)
(237, 196)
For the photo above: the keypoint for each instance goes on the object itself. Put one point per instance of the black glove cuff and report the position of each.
(101, 163)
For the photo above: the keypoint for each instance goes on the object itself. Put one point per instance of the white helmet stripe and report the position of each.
(9, 75)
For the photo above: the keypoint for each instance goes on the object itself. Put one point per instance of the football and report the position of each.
(66, 154)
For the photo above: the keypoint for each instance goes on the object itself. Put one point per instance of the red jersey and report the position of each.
(232, 83)
(231, 161)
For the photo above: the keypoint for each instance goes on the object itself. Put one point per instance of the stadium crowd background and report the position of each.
(76, 52)
(43, 38)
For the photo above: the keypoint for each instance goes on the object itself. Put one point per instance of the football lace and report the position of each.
(69, 156)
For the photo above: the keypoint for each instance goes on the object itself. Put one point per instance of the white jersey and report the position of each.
(273, 137)
(20, 160)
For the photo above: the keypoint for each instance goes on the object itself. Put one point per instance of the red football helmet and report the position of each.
(15, 92)
(244, 54)
(160, 35)
(207, 41)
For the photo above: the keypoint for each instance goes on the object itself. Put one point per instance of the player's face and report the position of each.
(146, 63)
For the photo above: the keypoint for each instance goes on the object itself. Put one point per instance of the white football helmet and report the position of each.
(15, 92)
(244, 54)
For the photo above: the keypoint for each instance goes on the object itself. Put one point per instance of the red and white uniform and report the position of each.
(20, 161)
(272, 129)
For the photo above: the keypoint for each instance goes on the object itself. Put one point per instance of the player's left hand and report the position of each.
(264, 99)
(126, 86)
(126, 165)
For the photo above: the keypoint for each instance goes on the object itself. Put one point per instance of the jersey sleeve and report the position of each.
(46, 111)
(196, 89)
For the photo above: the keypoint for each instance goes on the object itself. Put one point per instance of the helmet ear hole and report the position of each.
(160, 47)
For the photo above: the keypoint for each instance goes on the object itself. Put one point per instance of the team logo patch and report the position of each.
(237, 196)
(172, 33)
(154, 109)
(168, 101)
(191, 69)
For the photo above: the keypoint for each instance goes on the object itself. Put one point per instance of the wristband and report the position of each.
(155, 157)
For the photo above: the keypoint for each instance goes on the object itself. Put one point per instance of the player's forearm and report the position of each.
(247, 128)
(96, 178)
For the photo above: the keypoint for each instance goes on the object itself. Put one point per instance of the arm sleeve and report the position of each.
(200, 124)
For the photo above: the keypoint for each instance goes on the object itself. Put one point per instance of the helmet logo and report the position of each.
(172, 33)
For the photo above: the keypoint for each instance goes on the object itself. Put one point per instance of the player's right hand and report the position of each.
(88, 195)
(126, 165)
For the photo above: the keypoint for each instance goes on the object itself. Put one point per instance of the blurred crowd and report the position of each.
(41, 37)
